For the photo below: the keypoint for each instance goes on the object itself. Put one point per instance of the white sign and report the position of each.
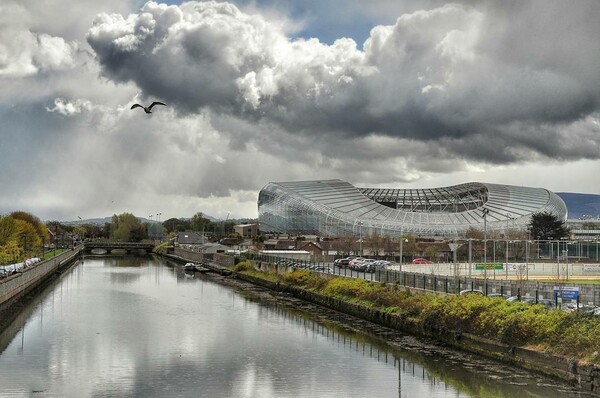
(516, 267)
(591, 267)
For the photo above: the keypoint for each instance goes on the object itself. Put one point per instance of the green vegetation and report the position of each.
(161, 248)
(514, 323)
(21, 235)
(547, 226)
(127, 228)
(247, 268)
(52, 253)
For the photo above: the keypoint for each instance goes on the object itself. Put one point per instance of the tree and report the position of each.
(127, 228)
(199, 222)
(28, 237)
(432, 252)
(410, 247)
(40, 228)
(547, 226)
(9, 249)
(375, 242)
(347, 244)
(8, 230)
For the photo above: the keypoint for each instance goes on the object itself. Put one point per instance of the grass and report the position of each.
(52, 253)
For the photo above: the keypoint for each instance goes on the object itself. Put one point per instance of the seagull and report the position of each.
(147, 109)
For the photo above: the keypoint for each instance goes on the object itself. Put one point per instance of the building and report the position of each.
(337, 208)
(190, 240)
(246, 230)
(584, 229)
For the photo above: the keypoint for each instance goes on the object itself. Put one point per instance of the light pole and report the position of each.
(158, 229)
(484, 215)
(508, 217)
(507, 242)
(360, 223)
(402, 239)
(558, 260)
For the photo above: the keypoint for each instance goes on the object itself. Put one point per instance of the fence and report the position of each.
(511, 280)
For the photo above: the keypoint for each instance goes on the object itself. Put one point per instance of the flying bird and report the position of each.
(149, 108)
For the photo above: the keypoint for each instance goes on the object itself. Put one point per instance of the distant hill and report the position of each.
(104, 220)
(581, 204)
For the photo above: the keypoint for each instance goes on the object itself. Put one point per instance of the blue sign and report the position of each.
(567, 292)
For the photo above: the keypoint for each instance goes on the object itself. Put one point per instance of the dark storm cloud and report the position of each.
(489, 81)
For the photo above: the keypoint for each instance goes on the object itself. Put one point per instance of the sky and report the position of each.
(398, 94)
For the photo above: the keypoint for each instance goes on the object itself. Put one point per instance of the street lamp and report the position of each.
(402, 240)
(360, 223)
(484, 215)
(24, 236)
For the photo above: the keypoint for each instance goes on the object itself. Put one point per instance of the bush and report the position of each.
(304, 278)
(243, 266)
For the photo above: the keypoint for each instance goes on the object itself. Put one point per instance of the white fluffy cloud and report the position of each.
(23, 52)
(433, 76)
(68, 108)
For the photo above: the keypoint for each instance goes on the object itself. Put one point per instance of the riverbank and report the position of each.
(584, 375)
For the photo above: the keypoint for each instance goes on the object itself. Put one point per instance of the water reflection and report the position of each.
(134, 327)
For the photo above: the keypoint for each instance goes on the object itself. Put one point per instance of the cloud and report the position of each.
(438, 76)
(69, 108)
(25, 53)
(425, 94)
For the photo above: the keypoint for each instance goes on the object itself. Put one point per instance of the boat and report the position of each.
(189, 267)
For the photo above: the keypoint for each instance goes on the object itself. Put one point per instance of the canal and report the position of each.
(142, 327)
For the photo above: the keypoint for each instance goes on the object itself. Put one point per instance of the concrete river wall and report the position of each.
(28, 279)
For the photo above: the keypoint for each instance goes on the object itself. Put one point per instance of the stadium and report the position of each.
(337, 208)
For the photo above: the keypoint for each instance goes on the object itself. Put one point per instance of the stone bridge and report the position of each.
(118, 247)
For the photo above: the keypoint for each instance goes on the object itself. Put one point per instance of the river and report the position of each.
(142, 327)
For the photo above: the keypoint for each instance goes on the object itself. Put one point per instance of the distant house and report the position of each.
(190, 240)
(212, 248)
(293, 254)
(246, 230)
(443, 249)
(314, 248)
(280, 244)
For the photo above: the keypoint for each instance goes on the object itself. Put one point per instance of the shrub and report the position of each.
(346, 287)
(243, 266)
(304, 278)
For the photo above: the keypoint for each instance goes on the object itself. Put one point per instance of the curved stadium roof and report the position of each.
(337, 208)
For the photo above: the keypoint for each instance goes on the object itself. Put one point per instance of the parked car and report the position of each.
(356, 264)
(375, 265)
(469, 291)
(319, 268)
(343, 262)
(421, 261)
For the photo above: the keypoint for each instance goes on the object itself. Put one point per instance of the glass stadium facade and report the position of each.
(337, 208)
